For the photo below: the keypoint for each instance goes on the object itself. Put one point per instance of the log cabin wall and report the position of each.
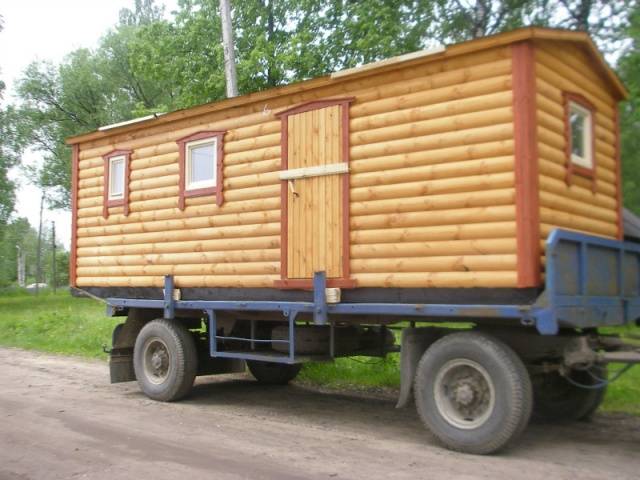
(588, 203)
(457, 173)
(431, 188)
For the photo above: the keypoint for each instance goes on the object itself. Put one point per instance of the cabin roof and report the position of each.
(528, 33)
(631, 225)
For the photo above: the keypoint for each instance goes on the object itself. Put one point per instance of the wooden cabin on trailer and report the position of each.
(477, 183)
(432, 175)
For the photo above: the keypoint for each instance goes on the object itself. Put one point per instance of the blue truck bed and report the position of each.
(589, 282)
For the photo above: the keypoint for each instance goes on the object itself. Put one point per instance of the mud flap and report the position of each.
(415, 342)
(121, 365)
(120, 358)
(123, 339)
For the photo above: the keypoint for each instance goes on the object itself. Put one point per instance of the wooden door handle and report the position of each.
(292, 187)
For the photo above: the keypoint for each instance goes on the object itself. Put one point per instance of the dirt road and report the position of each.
(59, 419)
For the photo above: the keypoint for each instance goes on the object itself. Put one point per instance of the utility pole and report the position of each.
(38, 252)
(53, 249)
(21, 267)
(229, 51)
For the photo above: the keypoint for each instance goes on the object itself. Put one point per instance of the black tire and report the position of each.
(271, 373)
(165, 360)
(489, 377)
(556, 400)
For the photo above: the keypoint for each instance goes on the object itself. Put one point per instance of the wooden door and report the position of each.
(315, 184)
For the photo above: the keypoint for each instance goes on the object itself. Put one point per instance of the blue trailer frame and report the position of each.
(590, 282)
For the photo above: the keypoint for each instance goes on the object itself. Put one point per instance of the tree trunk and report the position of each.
(480, 19)
(53, 250)
(39, 251)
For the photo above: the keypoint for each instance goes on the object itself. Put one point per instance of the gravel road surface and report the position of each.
(60, 419)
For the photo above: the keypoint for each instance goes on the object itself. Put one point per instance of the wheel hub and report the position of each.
(156, 360)
(464, 393)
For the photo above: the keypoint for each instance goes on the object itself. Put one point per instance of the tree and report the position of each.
(12, 141)
(58, 102)
(144, 12)
(629, 68)
(87, 90)
(467, 19)
(2, 84)
(605, 20)
(19, 233)
(362, 32)
(148, 64)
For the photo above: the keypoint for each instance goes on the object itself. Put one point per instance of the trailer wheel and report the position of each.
(556, 399)
(473, 392)
(271, 373)
(165, 360)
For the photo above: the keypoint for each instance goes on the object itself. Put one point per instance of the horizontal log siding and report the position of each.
(432, 186)
(431, 198)
(577, 206)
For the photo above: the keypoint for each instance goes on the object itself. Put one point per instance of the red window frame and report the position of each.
(572, 168)
(124, 201)
(199, 192)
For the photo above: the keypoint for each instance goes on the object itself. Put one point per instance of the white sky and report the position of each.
(48, 30)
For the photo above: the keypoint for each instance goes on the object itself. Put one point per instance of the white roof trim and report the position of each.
(129, 122)
(389, 61)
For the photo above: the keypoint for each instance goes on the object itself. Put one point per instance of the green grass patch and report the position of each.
(623, 395)
(63, 324)
(355, 372)
(57, 323)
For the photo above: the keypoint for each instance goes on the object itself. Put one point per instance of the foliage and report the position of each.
(87, 90)
(605, 20)
(11, 146)
(478, 18)
(18, 233)
(147, 63)
(629, 67)
(55, 323)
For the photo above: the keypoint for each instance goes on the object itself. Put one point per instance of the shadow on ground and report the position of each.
(360, 412)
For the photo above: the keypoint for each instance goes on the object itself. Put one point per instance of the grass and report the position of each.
(623, 395)
(355, 372)
(78, 326)
(55, 323)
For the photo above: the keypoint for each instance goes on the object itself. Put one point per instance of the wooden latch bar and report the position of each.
(316, 171)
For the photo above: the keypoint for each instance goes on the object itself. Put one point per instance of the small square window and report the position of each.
(116, 181)
(200, 158)
(581, 135)
(201, 164)
(116, 177)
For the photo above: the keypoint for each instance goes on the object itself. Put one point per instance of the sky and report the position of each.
(48, 30)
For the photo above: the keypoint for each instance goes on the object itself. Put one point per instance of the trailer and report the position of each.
(477, 184)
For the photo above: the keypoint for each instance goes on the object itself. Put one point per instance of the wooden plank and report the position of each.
(314, 171)
(323, 195)
(336, 199)
(311, 141)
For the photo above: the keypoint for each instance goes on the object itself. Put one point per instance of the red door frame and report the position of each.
(307, 284)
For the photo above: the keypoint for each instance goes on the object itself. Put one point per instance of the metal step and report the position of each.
(270, 356)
